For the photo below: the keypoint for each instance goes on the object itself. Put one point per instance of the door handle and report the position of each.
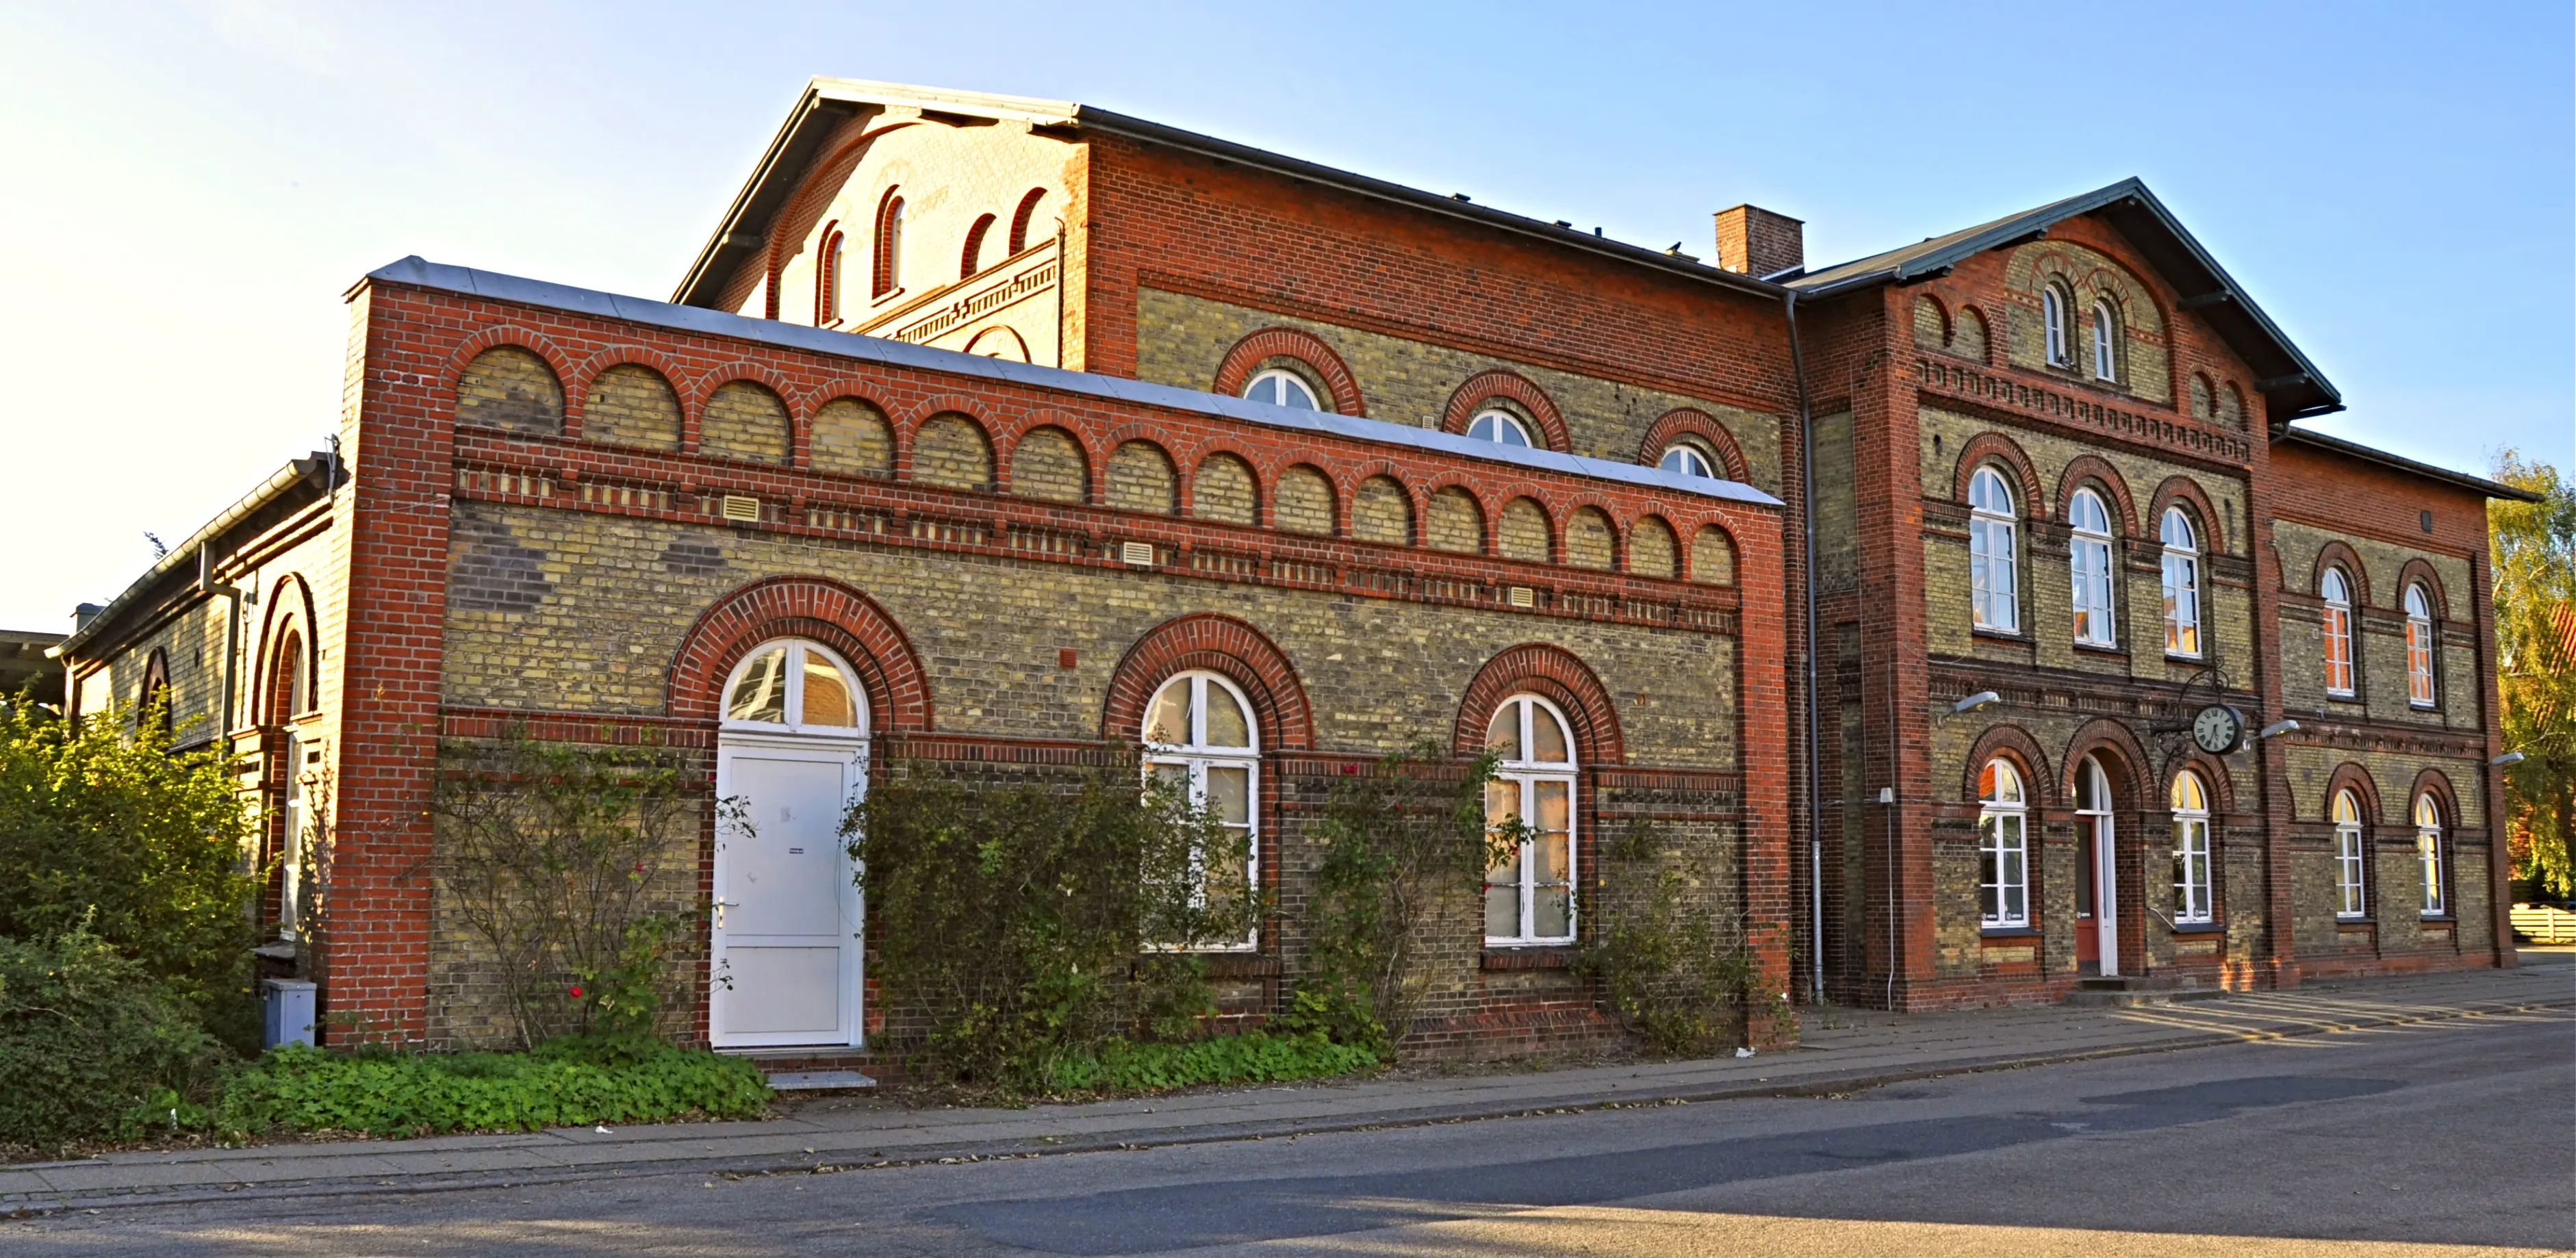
(721, 906)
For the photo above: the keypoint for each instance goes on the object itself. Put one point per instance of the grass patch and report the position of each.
(563, 1083)
(1252, 1057)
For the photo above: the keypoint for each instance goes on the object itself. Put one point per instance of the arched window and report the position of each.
(1021, 216)
(1686, 460)
(2106, 354)
(2182, 584)
(2003, 846)
(2054, 310)
(2337, 593)
(1992, 575)
(1529, 894)
(2428, 855)
(2419, 647)
(795, 687)
(2191, 849)
(2088, 561)
(1499, 427)
(827, 280)
(889, 244)
(972, 259)
(2350, 864)
(1200, 740)
(1282, 388)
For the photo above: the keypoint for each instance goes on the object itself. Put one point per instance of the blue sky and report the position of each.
(186, 189)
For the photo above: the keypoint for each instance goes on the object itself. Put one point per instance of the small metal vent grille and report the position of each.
(1140, 554)
(737, 507)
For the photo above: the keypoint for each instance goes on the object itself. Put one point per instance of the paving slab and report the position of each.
(1842, 1049)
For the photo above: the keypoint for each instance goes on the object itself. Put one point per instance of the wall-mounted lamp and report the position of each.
(2276, 729)
(2507, 760)
(1981, 699)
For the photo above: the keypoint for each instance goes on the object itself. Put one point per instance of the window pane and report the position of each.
(1229, 793)
(1172, 777)
(1553, 805)
(1503, 733)
(1168, 721)
(1553, 909)
(1551, 851)
(761, 695)
(1265, 389)
(1503, 911)
(1226, 723)
(1294, 394)
(827, 694)
(1548, 737)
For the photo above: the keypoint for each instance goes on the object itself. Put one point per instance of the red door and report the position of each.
(2088, 896)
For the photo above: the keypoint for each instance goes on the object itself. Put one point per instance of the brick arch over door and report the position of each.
(818, 608)
(1219, 644)
(2013, 743)
(290, 612)
(2122, 757)
(1242, 361)
(1485, 386)
(1996, 449)
(1552, 673)
(1696, 423)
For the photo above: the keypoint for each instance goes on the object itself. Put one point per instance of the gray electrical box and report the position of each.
(290, 1012)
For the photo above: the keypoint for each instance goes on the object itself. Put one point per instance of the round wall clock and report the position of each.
(2218, 729)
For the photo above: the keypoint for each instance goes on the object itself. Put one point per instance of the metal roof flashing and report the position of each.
(420, 273)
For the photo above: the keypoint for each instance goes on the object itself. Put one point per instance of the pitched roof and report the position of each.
(829, 102)
(2373, 454)
(2284, 374)
(888, 352)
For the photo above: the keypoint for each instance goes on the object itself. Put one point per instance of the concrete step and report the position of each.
(819, 1081)
(2131, 990)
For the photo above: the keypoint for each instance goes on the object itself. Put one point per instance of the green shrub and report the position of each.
(91, 1046)
(570, 1082)
(1030, 923)
(103, 830)
(1670, 959)
(1398, 844)
(1253, 1057)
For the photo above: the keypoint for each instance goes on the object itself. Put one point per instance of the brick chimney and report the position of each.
(1758, 242)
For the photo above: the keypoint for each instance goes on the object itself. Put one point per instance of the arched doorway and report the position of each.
(791, 756)
(2097, 863)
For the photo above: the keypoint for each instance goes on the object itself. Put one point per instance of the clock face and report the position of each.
(2216, 729)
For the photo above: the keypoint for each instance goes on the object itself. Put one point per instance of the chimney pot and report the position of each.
(1754, 241)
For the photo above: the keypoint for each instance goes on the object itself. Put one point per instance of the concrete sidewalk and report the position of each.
(1843, 1049)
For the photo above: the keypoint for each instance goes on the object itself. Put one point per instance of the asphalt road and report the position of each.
(2458, 1133)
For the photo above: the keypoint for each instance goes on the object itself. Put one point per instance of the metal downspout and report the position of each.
(1807, 583)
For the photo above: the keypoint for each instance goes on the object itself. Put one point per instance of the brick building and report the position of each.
(990, 433)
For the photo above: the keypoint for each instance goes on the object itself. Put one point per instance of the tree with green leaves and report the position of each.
(108, 833)
(2535, 601)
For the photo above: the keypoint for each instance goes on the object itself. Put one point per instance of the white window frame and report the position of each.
(1495, 422)
(2003, 847)
(2428, 857)
(1287, 380)
(2053, 312)
(1994, 575)
(1689, 460)
(2106, 354)
(795, 700)
(2352, 861)
(2336, 590)
(2088, 561)
(1196, 758)
(2181, 585)
(2194, 889)
(1524, 778)
(2419, 648)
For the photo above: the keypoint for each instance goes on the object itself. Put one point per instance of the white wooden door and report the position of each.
(786, 965)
